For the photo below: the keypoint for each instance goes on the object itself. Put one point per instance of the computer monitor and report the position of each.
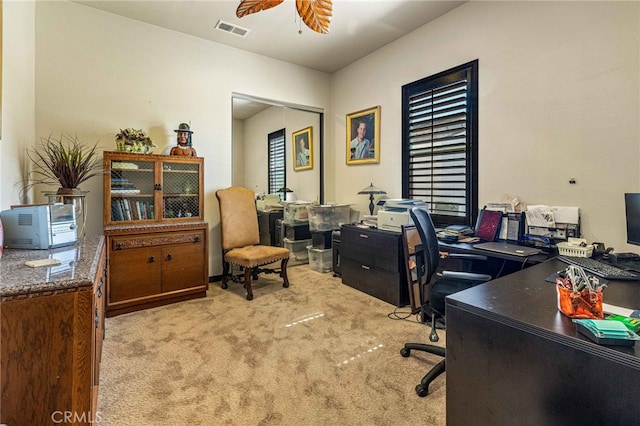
(632, 208)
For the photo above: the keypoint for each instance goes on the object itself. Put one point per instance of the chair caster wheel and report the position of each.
(421, 391)
(249, 296)
(224, 286)
(405, 352)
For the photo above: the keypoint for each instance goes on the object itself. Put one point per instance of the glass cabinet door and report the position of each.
(132, 190)
(180, 190)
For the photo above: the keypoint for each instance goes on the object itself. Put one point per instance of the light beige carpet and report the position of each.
(316, 353)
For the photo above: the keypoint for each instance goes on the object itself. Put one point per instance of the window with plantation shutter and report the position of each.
(277, 155)
(440, 144)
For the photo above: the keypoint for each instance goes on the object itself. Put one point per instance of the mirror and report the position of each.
(253, 120)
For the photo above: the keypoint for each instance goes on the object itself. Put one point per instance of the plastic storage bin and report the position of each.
(320, 260)
(297, 249)
(328, 217)
(295, 212)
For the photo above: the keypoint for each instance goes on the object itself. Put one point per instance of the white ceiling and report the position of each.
(358, 27)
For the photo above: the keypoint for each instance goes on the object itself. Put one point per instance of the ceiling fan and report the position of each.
(316, 14)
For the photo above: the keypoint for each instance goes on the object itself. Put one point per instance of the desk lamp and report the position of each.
(284, 191)
(371, 190)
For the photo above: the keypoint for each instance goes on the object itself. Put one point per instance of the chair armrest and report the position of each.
(466, 276)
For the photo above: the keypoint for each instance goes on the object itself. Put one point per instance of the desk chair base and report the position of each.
(253, 272)
(423, 388)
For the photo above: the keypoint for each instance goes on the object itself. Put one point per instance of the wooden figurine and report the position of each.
(184, 142)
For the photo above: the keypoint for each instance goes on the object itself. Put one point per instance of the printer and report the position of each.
(395, 212)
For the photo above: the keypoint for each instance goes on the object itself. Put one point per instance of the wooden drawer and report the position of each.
(154, 240)
(374, 248)
(384, 285)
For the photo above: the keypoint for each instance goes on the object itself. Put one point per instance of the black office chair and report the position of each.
(427, 257)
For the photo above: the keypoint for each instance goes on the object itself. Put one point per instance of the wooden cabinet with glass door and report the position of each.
(150, 189)
(156, 239)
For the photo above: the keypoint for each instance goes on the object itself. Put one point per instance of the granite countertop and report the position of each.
(78, 268)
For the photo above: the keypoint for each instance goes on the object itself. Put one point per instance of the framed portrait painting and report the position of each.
(303, 149)
(363, 136)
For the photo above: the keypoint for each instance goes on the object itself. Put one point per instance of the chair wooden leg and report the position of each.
(247, 282)
(225, 273)
(283, 272)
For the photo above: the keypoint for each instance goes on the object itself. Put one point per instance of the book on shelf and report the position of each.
(125, 191)
(126, 209)
(116, 212)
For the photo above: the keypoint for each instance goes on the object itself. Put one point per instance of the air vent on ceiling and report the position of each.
(233, 29)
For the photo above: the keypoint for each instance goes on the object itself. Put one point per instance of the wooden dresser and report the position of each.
(52, 327)
(372, 262)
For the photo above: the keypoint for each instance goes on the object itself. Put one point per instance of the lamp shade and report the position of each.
(371, 190)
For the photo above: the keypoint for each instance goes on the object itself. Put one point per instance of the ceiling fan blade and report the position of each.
(316, 14)
(247, 7)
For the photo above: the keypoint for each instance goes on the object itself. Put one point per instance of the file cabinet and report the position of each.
(372, 261)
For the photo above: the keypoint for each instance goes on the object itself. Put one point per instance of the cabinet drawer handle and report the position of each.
(118, 246)
(100, 291)
(196, 239)
(152, 259)
(365, 267)
(364, 236)
(169, 257)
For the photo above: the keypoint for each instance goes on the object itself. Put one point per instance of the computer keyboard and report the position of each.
(600, 269)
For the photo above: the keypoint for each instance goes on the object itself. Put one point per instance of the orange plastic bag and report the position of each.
(580, 304)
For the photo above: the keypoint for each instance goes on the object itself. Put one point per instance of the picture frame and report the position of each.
(363, 148)
(411, 238)
(302, 155)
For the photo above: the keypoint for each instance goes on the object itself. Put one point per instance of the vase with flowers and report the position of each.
(134, 140)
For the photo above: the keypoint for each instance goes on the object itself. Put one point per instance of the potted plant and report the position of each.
(134, 140)
(64, 160)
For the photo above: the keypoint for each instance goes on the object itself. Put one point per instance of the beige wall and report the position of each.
(18, 102)
(559, 98)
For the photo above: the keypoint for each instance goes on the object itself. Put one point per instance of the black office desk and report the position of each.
(512, 357)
